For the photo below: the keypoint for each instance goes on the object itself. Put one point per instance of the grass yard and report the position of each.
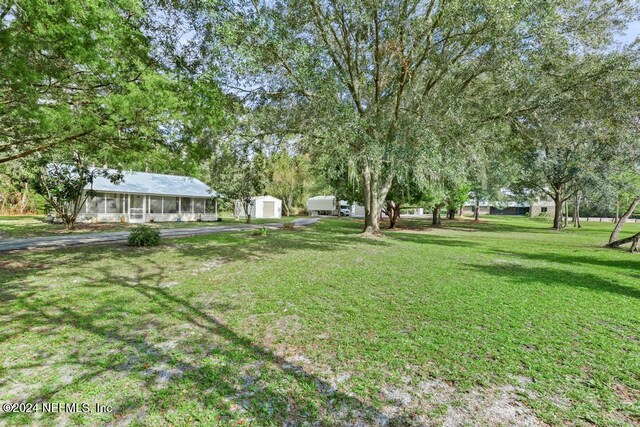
(23, 226)
(500, 323)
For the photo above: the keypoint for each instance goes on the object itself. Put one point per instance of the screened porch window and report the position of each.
(187, 203)
(171, 204)
(96, 204)
(210, 206)
(113, 202)
(155, 205)
(198, 205)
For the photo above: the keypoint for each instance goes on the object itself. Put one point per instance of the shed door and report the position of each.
(268, 209)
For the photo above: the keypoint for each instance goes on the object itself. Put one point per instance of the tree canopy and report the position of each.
(87, 75)
(381, 84)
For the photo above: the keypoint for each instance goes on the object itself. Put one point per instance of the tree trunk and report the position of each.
(393, 211)
(374, 196)
(436, 216)
(70, 223)
(388, 212)
(566, 214)
(623, 219)
(476, 213)
(557, 215)
(634, 240)
(24, 200)
(247, 211)
(576, 210)
(287, 202)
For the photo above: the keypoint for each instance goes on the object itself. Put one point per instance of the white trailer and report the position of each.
(322, 205)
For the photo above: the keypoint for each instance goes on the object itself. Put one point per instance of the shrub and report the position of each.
(289, 225)
(143, 235)
(262, 231)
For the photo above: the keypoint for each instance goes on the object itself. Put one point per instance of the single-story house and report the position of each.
(261, 207)
(537, 207)
(144, 197)
(543, 206)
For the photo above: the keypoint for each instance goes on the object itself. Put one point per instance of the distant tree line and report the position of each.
(393, 104)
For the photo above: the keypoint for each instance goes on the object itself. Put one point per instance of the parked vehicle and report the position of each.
(326, 205)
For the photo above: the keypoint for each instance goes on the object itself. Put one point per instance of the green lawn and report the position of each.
(505, 322)
(22, 226)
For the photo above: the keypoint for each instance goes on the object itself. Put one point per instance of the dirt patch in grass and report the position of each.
(21, 265)
(208, 265)
(436, 402)
(626, 395)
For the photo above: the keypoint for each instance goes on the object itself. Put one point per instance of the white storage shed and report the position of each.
(261, 207)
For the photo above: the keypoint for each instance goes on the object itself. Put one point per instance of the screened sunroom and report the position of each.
(145, 197)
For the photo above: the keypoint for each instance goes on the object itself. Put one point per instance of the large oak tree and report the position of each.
(371, 81)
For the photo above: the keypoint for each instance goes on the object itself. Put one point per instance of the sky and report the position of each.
(633, 31)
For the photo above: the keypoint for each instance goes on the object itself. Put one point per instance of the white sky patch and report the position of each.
(633, 31)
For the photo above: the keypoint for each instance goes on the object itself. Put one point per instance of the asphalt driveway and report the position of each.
(121, 236)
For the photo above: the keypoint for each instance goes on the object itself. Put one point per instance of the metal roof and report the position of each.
(499, 204)
(155, 184)
(266, 197)
(322, 198)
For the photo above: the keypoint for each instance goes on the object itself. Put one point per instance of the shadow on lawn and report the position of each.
(132, 304)
(497, 226)
(426, 239)
(469, 225)
(13, 278)
(556, 277)
(630, 262)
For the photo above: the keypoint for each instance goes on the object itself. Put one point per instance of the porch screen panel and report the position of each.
(186, 204)
(113, 203)
(96, 204)
(198, 205)
(171, 204)
(155, 205)
(210, 206)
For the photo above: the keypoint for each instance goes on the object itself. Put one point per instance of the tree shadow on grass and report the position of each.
(13, 278)
(226, 373)
(306, 397)
(556, 277)
(469, 225)
(496, 226)
(631, 262)
(426, 239)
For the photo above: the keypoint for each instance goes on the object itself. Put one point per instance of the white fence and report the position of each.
(596, 219)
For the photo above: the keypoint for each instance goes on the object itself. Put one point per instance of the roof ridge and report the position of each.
(151, 173)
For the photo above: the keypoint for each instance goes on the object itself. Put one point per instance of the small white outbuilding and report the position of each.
(261, 207)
